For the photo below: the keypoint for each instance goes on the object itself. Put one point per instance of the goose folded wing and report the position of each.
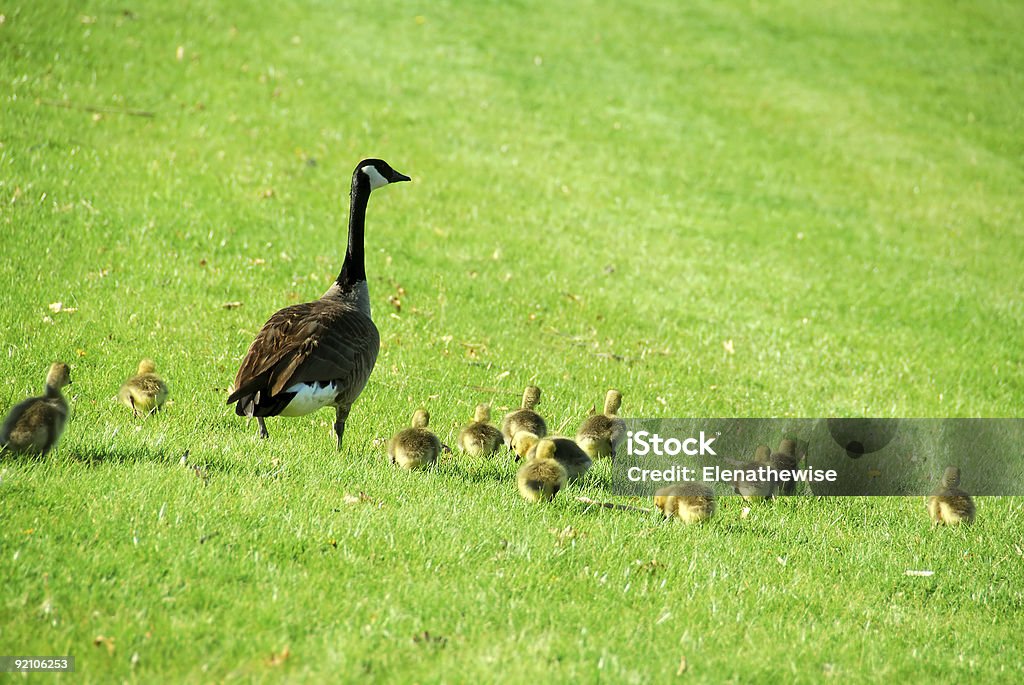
(345, 351)
(305, 344)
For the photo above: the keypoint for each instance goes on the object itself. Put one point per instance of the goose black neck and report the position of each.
(353, 269)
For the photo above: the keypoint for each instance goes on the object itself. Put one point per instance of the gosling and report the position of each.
(566, 452)
(144, 392)
(35, 425)
(416, 447)
(480, 438)
(524, 418)
(786, 460)
(949, 505)
(523, 442)
(746, 482)
(540, 479)
(689, 502)
(601, 434)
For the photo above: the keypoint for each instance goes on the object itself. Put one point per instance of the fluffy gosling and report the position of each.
(35, 425)
(540, 479)
(566, 452)
(785, 459)
(145, 392)
(415, 447)
(524, 418)
(523, 442)
(601, 434)
(949, 505)
(753, 489)
(480, 438)
(689, 502)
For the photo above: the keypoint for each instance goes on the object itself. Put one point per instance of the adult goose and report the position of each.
(319, 354)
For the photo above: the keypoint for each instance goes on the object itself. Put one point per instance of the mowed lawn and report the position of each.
(720, 208)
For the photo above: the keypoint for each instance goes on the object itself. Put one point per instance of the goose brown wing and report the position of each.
(315, 341)
(346, 350)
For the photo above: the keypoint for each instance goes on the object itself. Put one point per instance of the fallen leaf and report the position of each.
(682, 665)
(231, 305)
(923, 574)
(104, 641)
(278, 659)
(727, 344)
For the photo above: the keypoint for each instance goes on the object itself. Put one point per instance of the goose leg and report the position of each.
(340, 416)
(263, 428)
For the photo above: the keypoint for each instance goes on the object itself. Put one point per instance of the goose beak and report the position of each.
(399, 177)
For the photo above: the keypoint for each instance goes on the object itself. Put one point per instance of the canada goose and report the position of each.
(145, 391)
(753, 479)
(524, 418)
(949, 505)
(523, 442)
(480, 438)
(563, 450)
(35, 425)
(785, 459)
(540, 478)
(601, 434)
(415, 447)
(319, 354)
(690, 502)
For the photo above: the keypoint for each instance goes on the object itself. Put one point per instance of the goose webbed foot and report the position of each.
(263, 428)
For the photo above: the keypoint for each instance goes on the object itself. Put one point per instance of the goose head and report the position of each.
(523, 442)
(58, 376)
(531, 397)
(612, 402)
(421, 418)
(482, 414)
(951, 477)
(377, 173)
(762, 454)
(545, 450)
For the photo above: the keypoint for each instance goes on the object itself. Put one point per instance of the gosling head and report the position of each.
(545, 449)
(58, 376)
(147, 366)
(420, 418)
(762, 454)
(951, 477)
(788, 447)
(531, 397)
(522, 442)
(482, 414)
(377, 173)
(612, 402)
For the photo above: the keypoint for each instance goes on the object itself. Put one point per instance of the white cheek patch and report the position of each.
(376, 180)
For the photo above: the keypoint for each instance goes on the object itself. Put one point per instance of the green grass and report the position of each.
(602, 197)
